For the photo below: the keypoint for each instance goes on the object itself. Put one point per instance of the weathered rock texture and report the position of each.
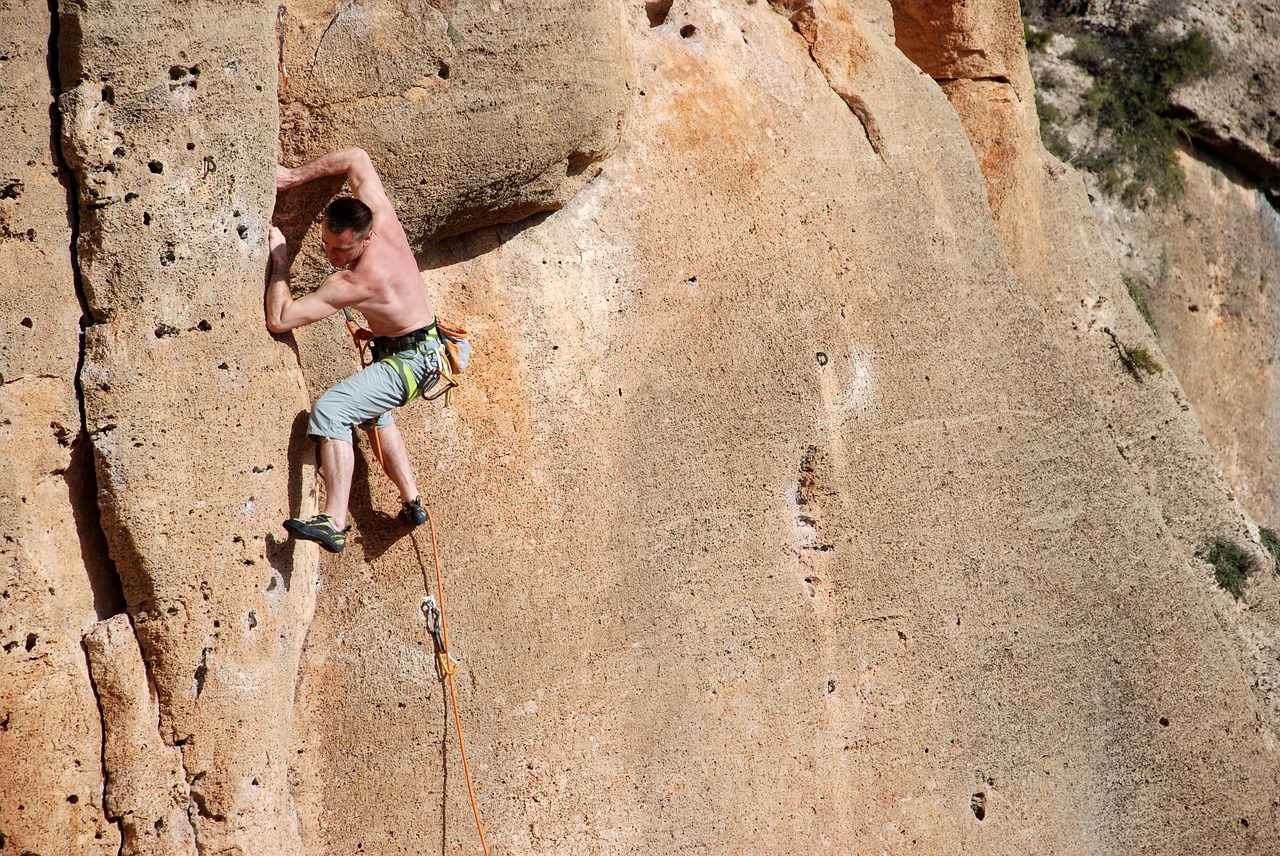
(1202, 260)
(976, 54)
(50, 732)
(793, 500)
(479, 113)
(1050, 234)
(169, 121)
(147, 789)
(1208, 267)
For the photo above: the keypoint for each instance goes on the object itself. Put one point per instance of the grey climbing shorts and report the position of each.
(365, 397)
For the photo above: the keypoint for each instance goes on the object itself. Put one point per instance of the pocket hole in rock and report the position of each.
(657, 11)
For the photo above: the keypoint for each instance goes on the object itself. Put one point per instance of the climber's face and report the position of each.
(343, 248)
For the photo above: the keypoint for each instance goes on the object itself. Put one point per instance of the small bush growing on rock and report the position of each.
(1139, 300)
(1231, 563)
(1037, 40)
(1090, 53)
(1271, 543)
(1136, 358)
(1142, 360)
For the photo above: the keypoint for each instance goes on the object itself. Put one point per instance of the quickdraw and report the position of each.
(284, 69)
(435, 626)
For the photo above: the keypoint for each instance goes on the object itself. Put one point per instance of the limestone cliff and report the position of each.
(797, 498)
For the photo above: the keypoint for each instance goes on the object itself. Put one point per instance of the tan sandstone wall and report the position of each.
(795, 499)
(1208, 267)
(479, 113)
(714, 591)
(169, 123)
(1052, 238)
(50, 731)
(1201, 260)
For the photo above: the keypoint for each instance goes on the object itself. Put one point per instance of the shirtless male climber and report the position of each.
(377, 274)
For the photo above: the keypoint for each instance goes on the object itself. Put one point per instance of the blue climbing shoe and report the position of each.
(321, 530)
(413, 512)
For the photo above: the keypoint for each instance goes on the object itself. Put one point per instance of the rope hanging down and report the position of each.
(437, 624)
(439, 627)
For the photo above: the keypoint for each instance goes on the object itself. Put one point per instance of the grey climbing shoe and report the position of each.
(413, 512)
(321, 530)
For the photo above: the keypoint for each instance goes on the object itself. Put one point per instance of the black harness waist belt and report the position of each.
(394, 344)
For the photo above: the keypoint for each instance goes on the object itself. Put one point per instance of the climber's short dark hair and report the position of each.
(349, 214)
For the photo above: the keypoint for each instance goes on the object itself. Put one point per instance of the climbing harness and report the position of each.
(284, 70)
(447, 342)
(389, 350)
(438, 626)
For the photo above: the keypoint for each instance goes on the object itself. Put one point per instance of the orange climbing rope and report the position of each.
(448, 666)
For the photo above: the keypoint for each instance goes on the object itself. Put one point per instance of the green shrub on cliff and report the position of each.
(1037, 40)
(1134, 75)
(1231, 563)
(1139, 298)
(1271, 543)
(1141, 360)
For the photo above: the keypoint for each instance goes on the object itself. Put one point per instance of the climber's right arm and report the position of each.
(355, 165)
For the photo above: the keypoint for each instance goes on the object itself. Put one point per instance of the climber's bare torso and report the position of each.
(377, 275)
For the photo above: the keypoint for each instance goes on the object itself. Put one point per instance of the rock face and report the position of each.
(1202, 261)
(169, 126)
(52, 585)
(795, 495)
(147, 789)
(479, 113)
(1050, 235)
(766, 403)
(1207, 266)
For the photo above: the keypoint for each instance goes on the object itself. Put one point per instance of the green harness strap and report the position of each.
(413, 385)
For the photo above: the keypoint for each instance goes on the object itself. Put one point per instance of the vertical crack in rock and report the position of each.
(202, 672)
(108, 592)
(329, 26)
(837, 58)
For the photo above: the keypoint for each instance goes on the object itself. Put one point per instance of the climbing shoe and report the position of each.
(321, 530)
(413, 512)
